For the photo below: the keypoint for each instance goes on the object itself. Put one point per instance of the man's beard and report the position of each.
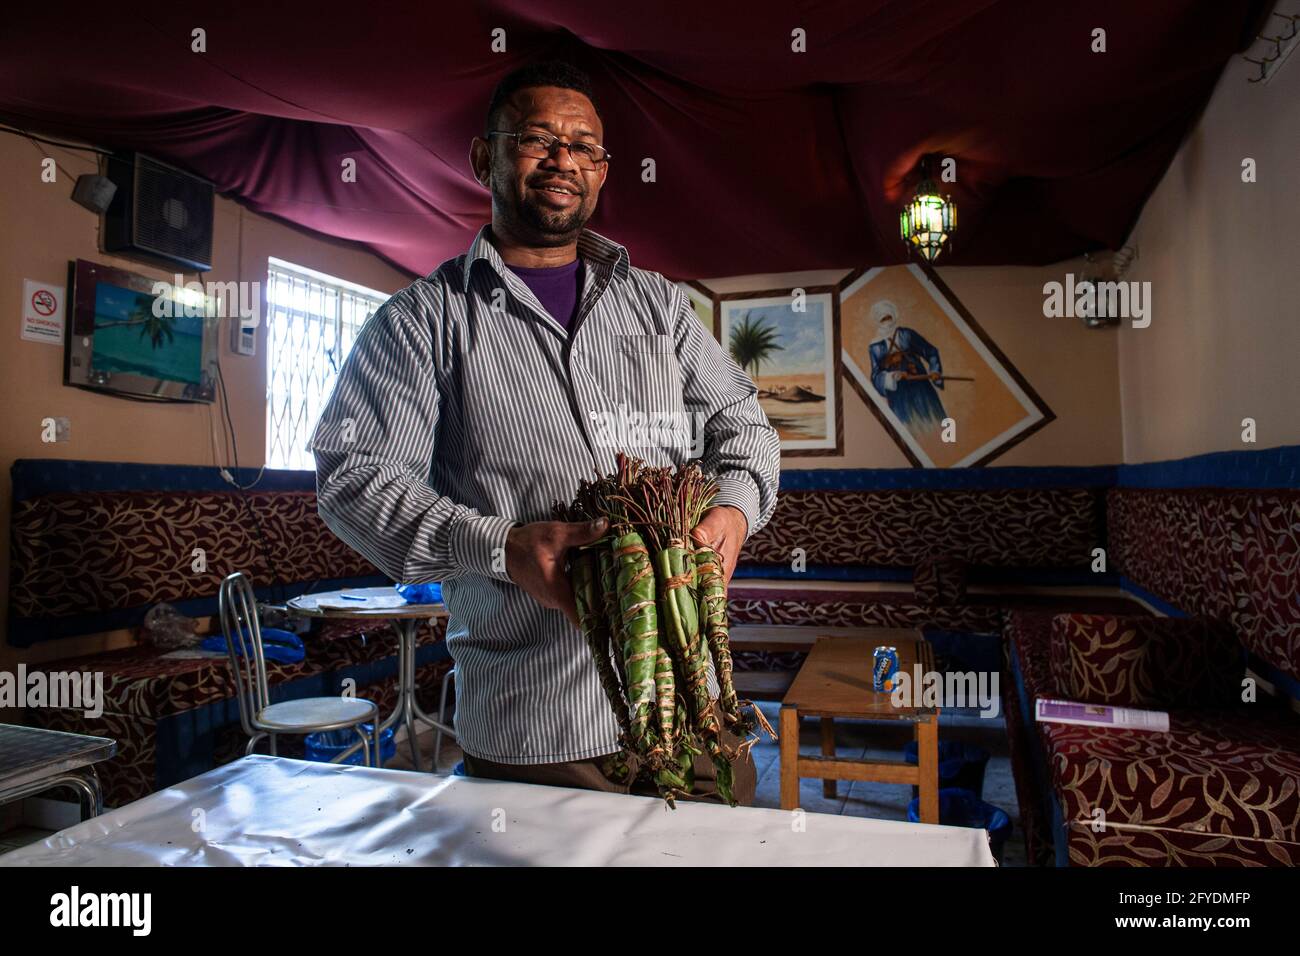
(553, 224)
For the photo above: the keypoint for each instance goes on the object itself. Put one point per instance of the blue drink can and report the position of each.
(884, 668)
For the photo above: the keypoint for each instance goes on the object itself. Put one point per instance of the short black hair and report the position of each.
(545, 73)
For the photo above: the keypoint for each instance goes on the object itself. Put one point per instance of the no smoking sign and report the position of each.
(44, 302)
(42, 312)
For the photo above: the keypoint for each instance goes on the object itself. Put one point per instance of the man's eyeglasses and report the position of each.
(538, 145)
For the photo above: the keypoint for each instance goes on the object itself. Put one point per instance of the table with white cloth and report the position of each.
(263, 810)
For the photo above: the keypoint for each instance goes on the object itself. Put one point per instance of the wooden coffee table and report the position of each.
(835, 681)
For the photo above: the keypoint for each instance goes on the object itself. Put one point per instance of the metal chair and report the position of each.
(257, 715)
(447, 678)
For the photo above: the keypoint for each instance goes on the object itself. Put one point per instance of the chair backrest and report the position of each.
(239, 624)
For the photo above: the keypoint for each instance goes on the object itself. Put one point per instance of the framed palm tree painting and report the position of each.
(788, 340)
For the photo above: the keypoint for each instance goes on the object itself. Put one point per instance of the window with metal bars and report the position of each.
(312, 321)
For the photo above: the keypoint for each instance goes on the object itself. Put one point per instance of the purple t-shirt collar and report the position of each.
(556, 288)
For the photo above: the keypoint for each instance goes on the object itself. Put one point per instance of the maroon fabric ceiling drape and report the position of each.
(766, 159)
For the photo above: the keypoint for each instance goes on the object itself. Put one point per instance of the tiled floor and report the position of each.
(21, 836)
(447, 756)
(885, 740)
(853, 739)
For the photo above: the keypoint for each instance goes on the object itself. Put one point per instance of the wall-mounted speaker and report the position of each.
(159, 213)
(94, 192)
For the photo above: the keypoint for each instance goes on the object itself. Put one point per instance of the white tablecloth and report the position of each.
(264, 810)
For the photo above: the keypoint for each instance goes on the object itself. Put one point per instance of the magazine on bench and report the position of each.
(1100, 715)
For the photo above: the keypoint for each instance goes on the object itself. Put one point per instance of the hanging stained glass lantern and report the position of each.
(929, 220)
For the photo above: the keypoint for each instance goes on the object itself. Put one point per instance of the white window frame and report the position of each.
(324, 319)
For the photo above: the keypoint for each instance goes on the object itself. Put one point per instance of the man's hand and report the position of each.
(723, 529)
(535, 557)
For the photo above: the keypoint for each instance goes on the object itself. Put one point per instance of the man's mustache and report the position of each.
(572, 185)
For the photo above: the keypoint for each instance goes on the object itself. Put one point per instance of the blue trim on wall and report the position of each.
(1257, 468)
(915, 479)
(1160, 604)
(42, 476)
(1283, 682)
(1263, 468)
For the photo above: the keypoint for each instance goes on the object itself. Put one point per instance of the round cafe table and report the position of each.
(405, 619)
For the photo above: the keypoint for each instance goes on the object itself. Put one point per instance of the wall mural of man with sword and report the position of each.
(907, 371)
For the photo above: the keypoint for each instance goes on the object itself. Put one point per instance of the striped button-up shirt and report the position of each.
(464, 407)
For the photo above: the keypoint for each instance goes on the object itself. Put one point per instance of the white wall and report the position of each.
(1223, 259)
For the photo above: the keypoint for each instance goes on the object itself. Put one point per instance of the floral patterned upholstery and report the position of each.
(1002, 527)
(85, 560)
(940, 580)
(1222, 788)
(850, 606)
(1146, 661)
(91, 552)
(865, 605)
(1232, 555)
(1158, 847)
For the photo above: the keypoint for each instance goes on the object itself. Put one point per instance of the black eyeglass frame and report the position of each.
(555, 141)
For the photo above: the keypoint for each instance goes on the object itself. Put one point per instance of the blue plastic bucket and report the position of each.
(961, 765)
(961, 808)
(328, 744)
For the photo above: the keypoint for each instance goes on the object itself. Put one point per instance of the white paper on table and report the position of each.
(361, 601)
